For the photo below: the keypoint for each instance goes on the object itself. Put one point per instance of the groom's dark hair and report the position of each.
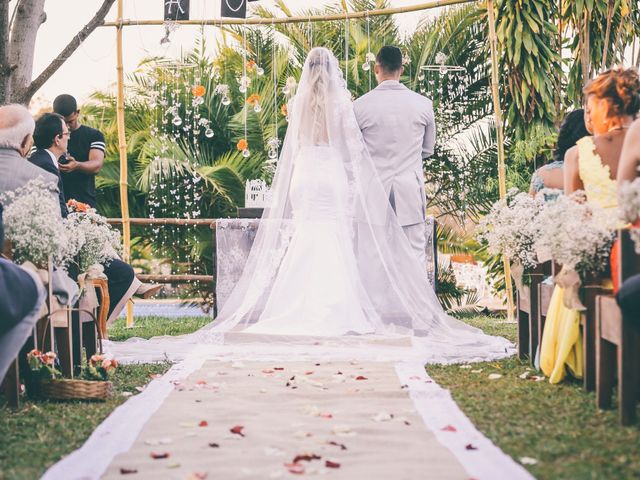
(389, 58)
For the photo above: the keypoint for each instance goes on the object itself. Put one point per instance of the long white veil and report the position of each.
(397, 299)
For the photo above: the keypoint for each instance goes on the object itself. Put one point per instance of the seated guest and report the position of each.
(21, 297)
(16, 130)
(629, 167)
(551, 175)
(612, 103)
(86, 153)
(629, 299)
(50, 138)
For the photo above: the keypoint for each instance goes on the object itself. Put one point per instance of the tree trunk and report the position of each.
(5, 67)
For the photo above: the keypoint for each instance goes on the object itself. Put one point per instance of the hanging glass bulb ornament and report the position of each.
(245, 83)
(290, 86)
(370, 58)
(406, 59)
(209, 133)
(223, 89)
(226, 100)
(257, 107)
(366, 66)
(177, 121)
(197, 101)
(246, 153)
(272, 147)
(259, 71)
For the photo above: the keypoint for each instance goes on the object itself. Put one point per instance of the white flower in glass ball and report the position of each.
(246, 153)
(209, 133)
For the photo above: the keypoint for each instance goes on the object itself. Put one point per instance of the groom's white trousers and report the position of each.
(416, 234)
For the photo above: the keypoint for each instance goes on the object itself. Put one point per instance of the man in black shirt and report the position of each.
(86, 153)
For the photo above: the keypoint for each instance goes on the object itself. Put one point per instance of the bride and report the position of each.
(330, 264)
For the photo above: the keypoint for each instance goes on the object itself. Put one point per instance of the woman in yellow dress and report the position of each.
(613, 101)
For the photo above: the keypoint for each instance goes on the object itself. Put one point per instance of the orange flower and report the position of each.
(253, 99)
(284, 110)
(251, 65)
(242, 145)
(198, 90)
(78, 206)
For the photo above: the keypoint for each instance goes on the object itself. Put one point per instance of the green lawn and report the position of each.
(558, 425)
(147, 327)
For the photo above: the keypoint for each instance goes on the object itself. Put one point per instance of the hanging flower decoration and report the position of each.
(273, 144)
(223, 89)
(244, 82)
(254, 100)
(290, 87)
(370, 58)
(198, 90)
(242, 145)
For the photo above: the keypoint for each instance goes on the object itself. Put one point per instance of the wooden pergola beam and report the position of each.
(294, 19)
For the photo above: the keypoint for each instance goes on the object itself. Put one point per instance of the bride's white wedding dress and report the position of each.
(331, 272)
(317, 290)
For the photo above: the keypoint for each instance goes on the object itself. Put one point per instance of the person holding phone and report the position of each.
(85, 156)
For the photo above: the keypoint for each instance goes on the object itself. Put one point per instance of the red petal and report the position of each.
(201, 382)
(237, 430)
(449, 428)
(310, 372)
(341, 445)
(330, 464)
(267, 370)
(360, 377)
(326, 415)
(159, 456)
(203, 423)
(278, 368)
(306, 457)
(470, 446)
(126, 471)
(214, 445)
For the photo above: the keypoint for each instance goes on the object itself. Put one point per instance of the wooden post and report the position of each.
(493, 42)
(122, 148)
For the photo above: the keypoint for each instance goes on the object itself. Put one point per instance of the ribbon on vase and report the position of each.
(517, 273)
(89, 299)
(569, 280)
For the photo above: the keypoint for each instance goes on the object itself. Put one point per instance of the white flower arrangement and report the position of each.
(100, 242)
(507, 228)
(34, 226)
(574, 233)
(629, 199)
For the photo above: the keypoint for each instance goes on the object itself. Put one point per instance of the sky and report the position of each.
(93, 66)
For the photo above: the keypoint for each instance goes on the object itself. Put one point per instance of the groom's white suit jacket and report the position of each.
(398, 127)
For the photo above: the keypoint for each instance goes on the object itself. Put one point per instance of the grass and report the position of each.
(558, 425)
(41, 432)
(147, 327)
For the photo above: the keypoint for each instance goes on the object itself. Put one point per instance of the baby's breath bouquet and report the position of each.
(100, 242)
(34, 226)
(630, 208)
(507, 228)
(574, 233)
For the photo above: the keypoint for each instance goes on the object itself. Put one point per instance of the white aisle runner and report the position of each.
(251, 419)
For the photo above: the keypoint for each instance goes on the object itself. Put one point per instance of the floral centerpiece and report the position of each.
(507, 230)
(630, 208)
(34, 226)
(574, 233)
(100, 242)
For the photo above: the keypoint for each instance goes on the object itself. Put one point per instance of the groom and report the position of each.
(399, 131)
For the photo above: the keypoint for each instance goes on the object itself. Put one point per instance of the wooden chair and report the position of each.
(618, 343)
(527, 313)
(589, 294)
(91, 327)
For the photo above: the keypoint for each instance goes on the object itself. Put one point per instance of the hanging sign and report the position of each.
(234, 8)
(176, 10)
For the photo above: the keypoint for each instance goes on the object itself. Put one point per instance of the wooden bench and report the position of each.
(528, 312)
(618, 343)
